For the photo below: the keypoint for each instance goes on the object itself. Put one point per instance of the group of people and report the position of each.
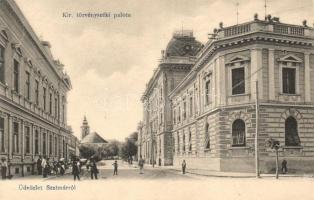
(45, 167)
(91, 167)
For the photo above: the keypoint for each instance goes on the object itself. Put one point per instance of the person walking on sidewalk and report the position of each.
(75, 170)
(39, 168)
(141, 164)
(183, 166)
(93, 169)
(44, 167)
(115, 167)
(4, 167)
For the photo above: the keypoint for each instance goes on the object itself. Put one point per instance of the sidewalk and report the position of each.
(210, 173)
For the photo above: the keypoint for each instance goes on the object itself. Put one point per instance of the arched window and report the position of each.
(291, 132)
(207, 137)
(238, 133)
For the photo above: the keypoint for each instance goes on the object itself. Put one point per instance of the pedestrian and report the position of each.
(115, 167)
(93, 169)
(284, 168)
(44, 167)
(75, 170)
(62, 167)
(141, 164)
(39, 168)
(4, 167)
(183, 166)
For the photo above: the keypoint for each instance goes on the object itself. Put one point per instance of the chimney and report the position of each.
(47, 47)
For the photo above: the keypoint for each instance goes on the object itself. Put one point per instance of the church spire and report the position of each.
(84, 128)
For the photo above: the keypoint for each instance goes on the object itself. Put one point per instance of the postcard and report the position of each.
(168, 99)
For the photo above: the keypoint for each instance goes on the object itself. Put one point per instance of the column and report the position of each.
(23, 139)
(221, 81)
(271, 74)
(9, 137)
(307, 79)
(256, 70)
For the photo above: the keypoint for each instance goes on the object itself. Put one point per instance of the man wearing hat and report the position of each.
(4, 167)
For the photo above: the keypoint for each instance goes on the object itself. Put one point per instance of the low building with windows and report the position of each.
(213, 107)
(33, 96)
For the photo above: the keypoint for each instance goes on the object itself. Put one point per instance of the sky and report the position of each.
(111, 60)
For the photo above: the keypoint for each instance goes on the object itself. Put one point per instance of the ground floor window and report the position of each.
(238, 133)
(291, 132)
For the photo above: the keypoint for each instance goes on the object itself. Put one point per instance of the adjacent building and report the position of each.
(33, 96)
(210, 112)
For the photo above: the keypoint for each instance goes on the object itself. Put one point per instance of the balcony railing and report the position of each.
(267, 27)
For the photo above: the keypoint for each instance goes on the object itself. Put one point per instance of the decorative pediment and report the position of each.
(290, 58)
(238, 58)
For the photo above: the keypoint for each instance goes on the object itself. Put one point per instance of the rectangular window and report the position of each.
(44, 97)
(2, 64)
(16, 76)
(27, 139)
(50, 144)
(2, 135)
(44, 143)
(288, 80)
(28, 85)
(207, 92)
(56, 146)
(174, 116)
(36, 142)
(37, 92)
(50, 103)
(56, 107)
(15, 137)
(184, 109)
(179, 115)
(238, 81)
(191, 105)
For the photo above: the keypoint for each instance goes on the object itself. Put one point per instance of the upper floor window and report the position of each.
(237, 74)
(2, 71)
(179, 114)
(191, 105)
(44, 97)
(184, 109)
(28, 85)
(50, 103)
(289, 74)
(238, 81)
(37, 92)
(238, 133)
(291, 132)
(207, 92)
(288, 80)
(178, 142)
(16, 75)
(174, 116)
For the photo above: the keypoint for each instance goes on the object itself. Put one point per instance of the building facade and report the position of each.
(176, 62)
(213, 108)
(33, 96)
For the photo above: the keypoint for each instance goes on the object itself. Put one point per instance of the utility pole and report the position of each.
(256, 134)
(237, 4)
(265, 5)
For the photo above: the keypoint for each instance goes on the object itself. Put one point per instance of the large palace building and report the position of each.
(200, 105)
(33, 96)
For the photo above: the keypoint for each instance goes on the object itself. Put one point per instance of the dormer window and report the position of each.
(289, 74)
